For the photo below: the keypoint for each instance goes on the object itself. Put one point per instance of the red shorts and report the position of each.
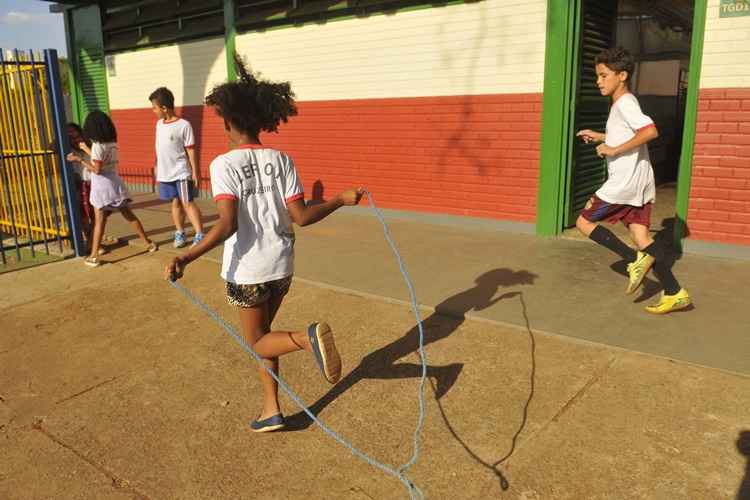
(597, 210)
(87, 209)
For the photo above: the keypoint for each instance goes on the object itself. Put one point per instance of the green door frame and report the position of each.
(230, 34)
(558, 108)
(557, 111)
(685, 172)
(72, 67)
(75, 39)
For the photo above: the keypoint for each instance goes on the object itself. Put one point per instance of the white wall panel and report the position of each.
(189, 70)
(489, 47)
(726, 50)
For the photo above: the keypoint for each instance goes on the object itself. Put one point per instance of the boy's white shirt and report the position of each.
(171, 158)
(263, 181)
(630, 175)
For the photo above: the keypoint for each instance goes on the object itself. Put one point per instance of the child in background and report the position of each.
(176, 165)
(83, 178)
(258, 195)
(108, 192)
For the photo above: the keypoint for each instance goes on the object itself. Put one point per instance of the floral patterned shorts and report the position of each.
(252, 295)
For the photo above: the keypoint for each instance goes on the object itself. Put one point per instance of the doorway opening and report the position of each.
(659, 35)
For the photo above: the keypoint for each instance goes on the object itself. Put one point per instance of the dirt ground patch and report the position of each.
(114, 386)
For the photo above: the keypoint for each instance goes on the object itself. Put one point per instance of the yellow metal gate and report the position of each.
(35, 193)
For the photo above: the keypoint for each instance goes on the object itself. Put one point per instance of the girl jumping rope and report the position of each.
(258, 195)
(108, 192)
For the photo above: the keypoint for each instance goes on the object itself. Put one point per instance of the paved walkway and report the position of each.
(571, 287)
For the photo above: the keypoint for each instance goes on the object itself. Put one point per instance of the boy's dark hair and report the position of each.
(617, 59)
(163, 96)
(252, 105)
(99, 127)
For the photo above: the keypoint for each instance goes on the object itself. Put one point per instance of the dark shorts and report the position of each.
(181, 190)
(252, 295)
(597, 210)
(113, 207)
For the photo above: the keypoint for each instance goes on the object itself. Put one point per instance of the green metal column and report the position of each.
(685, 173)
(590, 110)
(72, 63)
(86, 55)
(230, 33)
(558, 66)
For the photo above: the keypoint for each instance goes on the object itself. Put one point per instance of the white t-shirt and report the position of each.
(171, 159)
(263, 181)
(631, 178)
(107, 189)
(104, 154)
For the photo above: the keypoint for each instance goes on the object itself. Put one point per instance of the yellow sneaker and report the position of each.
(637, 270)
(669, 303)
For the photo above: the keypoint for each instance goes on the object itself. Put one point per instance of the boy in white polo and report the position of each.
(176, 165)
(629, 192)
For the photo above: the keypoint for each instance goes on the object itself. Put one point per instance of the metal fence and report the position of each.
(37, 193)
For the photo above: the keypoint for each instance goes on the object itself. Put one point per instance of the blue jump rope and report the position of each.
(400, 472)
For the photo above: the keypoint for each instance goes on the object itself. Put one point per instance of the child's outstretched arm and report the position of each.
(93, 166)
(223, 229)
(304, 215)
(591, 136)
(641, 137)
(84, 147)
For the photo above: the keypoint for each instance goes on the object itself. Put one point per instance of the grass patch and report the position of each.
(13, 263)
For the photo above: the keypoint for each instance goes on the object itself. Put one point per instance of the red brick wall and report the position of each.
(136, 134)
(719, 208)
(463, 155)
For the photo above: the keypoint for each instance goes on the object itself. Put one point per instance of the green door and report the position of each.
(596, 31)
(88, 47)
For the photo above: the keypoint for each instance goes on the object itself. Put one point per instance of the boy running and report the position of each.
(629, 192)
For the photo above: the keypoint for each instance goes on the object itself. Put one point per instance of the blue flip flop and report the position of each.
(324, 349)
(273, 423)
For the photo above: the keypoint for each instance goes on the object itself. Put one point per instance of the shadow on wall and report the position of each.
(318, 192)
(196, 70)
(457, 141)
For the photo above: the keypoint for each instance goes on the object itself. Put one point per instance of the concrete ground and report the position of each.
(546, 381)
(571, 286)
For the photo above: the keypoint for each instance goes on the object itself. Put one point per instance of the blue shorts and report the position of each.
(181, 190)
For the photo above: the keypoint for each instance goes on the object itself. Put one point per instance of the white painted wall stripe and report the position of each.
(489, 47)
(189, 70)
(725, 48)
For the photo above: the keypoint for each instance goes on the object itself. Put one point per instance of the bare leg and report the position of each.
(194, 215)
(278, 343)
(100, 221)
(585, 226)
(255, 323)
(136, 223)
(178, 215)
(640, 235)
